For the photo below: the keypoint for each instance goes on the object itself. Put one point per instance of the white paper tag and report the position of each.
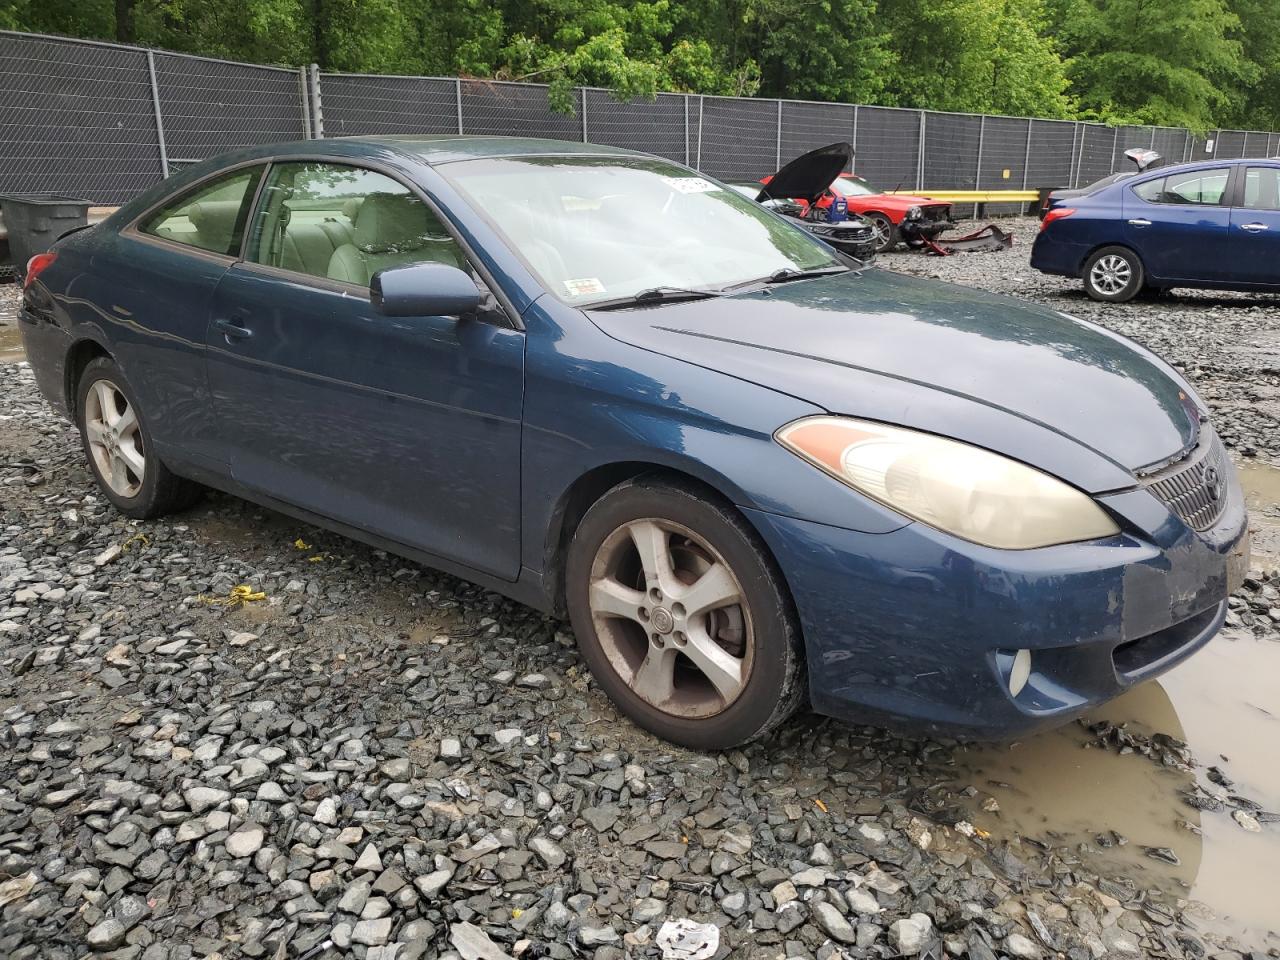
(583, 287)
(690, 184)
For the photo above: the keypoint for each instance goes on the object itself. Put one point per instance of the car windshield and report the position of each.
(853, 187)
(597, 229)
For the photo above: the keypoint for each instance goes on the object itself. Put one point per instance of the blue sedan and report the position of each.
(754, 474)
(1214, 225)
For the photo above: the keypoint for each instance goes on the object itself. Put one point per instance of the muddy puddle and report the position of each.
(1261, 482)
(11, 345)
(1110, 808)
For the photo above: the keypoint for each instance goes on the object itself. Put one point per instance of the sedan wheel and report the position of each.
(119, 448)
(114, 440)
(1113, 274)
(671, 617)
(682, 616)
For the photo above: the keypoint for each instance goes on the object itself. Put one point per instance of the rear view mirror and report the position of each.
(424, 290)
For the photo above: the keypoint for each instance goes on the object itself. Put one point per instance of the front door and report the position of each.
(1179, 224)
(1255, 228)
(408, 428)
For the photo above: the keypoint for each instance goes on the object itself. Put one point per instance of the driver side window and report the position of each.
(344, 223)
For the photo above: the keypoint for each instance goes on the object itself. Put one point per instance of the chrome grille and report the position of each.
(1196, 489)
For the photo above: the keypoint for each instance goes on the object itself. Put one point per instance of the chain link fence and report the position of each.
(104, 122)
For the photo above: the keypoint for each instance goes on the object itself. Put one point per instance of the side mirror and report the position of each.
(424, 290)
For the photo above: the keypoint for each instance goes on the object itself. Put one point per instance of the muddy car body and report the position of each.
(755, 476)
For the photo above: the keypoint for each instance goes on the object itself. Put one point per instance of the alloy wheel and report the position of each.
(672, 618)
(1111, 274)
(115, 440)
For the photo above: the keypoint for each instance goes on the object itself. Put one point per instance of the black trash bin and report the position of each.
(35, 220)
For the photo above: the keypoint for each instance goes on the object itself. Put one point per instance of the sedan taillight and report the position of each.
(37, 265)
(1057, 213)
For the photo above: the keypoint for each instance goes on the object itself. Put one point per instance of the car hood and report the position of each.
(808, 176)
(1068, 397)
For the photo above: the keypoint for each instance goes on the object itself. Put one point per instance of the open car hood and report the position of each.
(808, 176)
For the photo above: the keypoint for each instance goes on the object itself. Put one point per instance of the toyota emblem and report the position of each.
(1212, 483)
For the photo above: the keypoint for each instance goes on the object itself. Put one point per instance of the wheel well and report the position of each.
(583, 494)
(78, 357)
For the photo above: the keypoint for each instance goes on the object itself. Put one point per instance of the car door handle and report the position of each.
(1253, 227)
(232, 330)
(1140, 223)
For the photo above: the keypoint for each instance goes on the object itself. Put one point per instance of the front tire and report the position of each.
(886, 231)
(682, 617)
(1113, 275)
(117, 444)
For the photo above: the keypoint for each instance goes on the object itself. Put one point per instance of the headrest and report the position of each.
(214, 217)
(351, 209)
(391, 223)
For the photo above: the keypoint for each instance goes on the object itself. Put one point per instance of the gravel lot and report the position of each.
(376, 760)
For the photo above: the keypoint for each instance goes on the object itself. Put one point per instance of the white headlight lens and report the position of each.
(964, 490)
(915, 213)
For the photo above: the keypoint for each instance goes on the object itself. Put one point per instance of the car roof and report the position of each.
(446, 148)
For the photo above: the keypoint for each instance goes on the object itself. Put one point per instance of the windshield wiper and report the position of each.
(654, 295)
(787, 274)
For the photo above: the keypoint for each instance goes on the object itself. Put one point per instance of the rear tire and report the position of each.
(886, 231)
(118, 446)
(682, 616)
(1113, 275)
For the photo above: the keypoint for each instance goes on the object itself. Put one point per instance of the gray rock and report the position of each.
(472, 943)
(832, 922)
(910, 935)
(548, 851)
(372, 933)
(432, 883)
(107, 935)
(245, 842)
(200, 799)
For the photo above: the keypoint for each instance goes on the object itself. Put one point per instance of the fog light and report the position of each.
(1020, 672)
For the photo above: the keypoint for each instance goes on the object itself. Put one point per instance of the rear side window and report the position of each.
(1262, 188)
(1203, 187)
(211, 216)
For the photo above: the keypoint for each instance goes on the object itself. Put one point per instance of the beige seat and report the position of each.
(215, 223)
(391, 230)
(308, 247)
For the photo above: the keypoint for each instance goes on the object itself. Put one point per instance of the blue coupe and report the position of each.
(754, 474)
(1214, 224)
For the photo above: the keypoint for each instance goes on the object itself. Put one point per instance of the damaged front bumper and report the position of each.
(925, 633)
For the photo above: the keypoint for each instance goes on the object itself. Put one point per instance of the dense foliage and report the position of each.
(1195, 63)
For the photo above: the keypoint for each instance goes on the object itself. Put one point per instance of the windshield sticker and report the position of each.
(583, 287)
(690, 184)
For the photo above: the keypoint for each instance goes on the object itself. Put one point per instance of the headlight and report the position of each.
(961, 489)
(915, 213)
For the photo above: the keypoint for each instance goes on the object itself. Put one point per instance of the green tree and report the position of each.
(976, 56)
(1156, 61)
(1255, 103)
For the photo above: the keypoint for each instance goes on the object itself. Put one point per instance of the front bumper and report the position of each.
(916, 629)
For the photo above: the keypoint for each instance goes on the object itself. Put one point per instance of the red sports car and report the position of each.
(895, 216)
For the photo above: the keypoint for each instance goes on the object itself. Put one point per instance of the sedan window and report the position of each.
(344, 223)
(1262, 188)
(1204, 187)
(211, 216)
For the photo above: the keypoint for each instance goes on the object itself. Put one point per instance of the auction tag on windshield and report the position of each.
(583, 287)
(690, 184)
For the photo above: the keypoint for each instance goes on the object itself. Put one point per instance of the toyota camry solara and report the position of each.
(754, 475)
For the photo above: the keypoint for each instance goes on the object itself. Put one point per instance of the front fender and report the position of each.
(592, 401)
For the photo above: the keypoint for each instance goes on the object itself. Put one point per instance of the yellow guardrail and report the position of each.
(975, 196)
